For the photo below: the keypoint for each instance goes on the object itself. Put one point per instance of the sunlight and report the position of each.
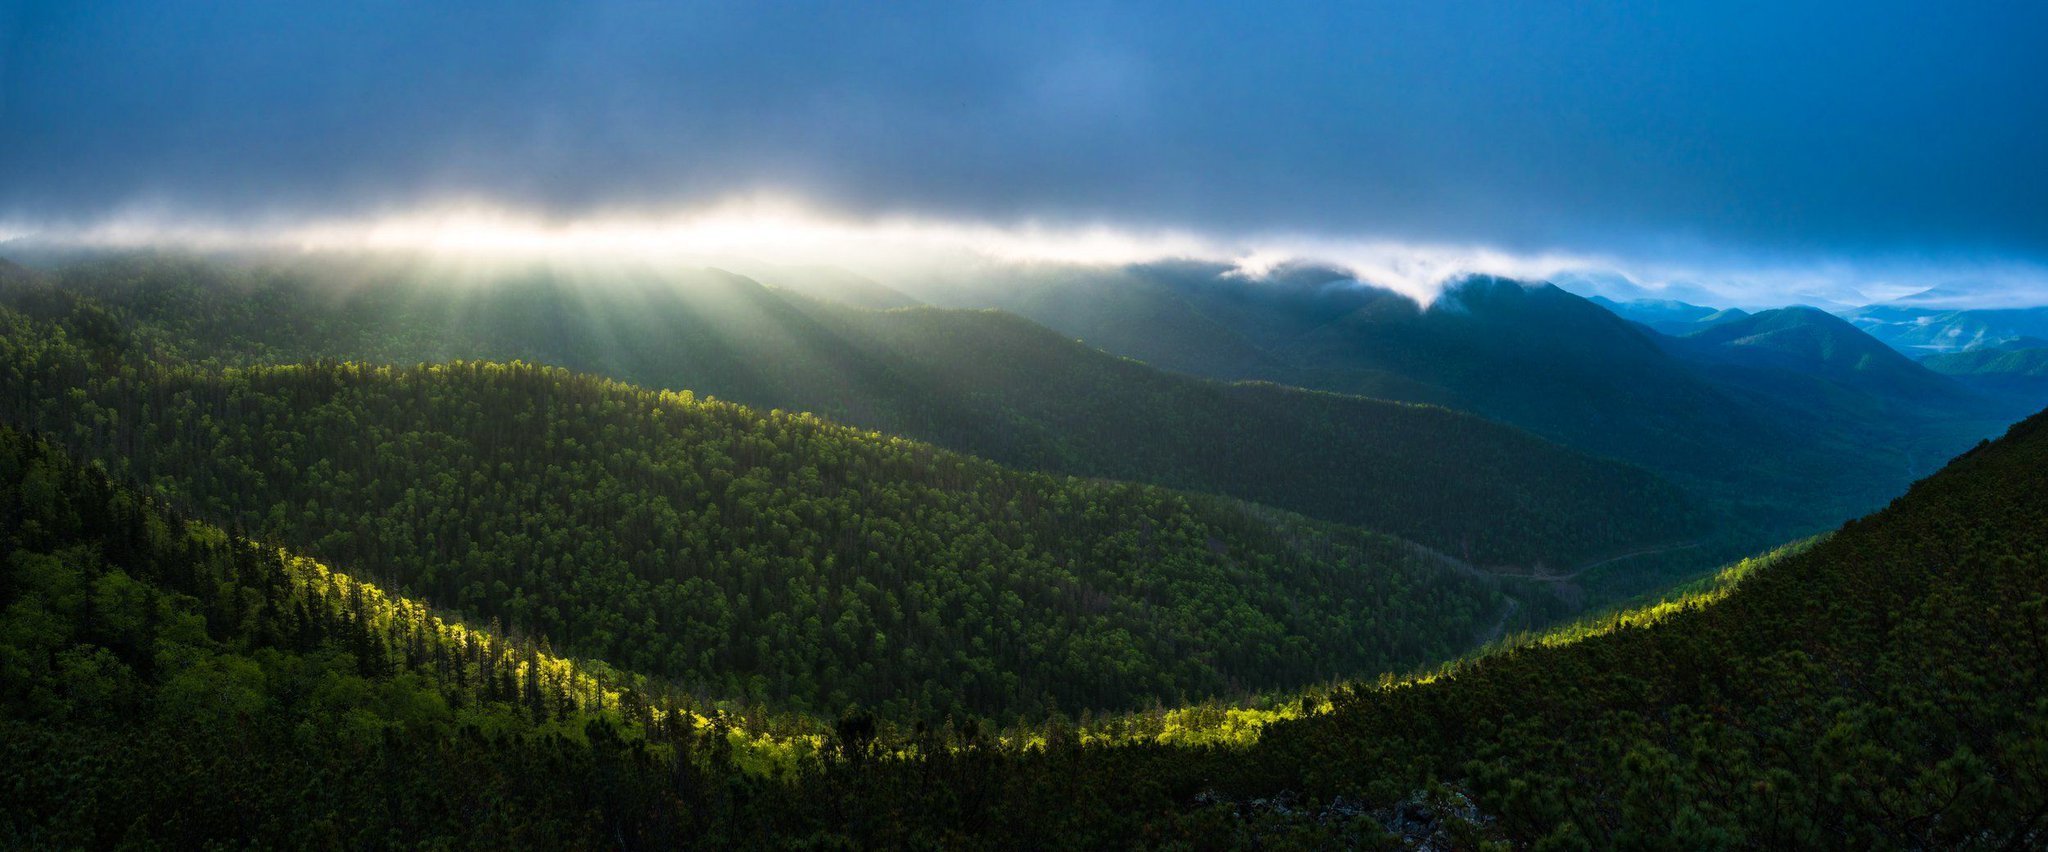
(782, 230)
(785, 230)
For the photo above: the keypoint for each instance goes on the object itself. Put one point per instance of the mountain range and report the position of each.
(1785, 428)
(348, 549)
(980, 382)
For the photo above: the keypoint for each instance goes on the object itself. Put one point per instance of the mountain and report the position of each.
(1804, 364)
(1872, 689)
(983, 383)
(2018, 367)
(2020, 357)
(1669, 316)
(1452, 480)
(759, 555)
(1814, 342)
(1779, 449)
(1919, 331)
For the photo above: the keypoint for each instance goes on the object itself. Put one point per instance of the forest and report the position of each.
(760, 556)
(983, 383)
(1404, 426)
(273, 602)
(170, 682)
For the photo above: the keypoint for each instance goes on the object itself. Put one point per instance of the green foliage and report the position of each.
(151, 661)
(758, 556)
(1880, 688)
(980, 382)
(167, 682)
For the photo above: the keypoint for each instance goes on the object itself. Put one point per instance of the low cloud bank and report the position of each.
(786, 231)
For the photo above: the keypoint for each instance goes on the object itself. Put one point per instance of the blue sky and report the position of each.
(1708, 136)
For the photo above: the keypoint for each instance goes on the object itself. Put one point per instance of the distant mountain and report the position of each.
(1804, 365)
(1813, 341)
(2009, 360)
(1807, 333)
(2018, 366)
(1919, 331)
(1669, 316)
(1788, 444)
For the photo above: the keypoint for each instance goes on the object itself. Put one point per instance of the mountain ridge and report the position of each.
(1006, 390)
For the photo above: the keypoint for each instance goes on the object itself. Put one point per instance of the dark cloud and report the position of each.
(1836, 127)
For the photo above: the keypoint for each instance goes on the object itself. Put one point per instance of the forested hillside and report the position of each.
(1777, 449)
(2019, 368)
(1815, 342)
(975, 381)
(1457, 482)
(164, 682)
(751, 555)
(1879, 689)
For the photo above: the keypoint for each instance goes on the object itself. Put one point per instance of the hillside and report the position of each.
(1548, 361)
(972, 381)
(1809, 334)
(1776, 451)
(2018, 367)
(1812, 342)
(2024, 358)
(760, 556)
(164, 681)
(1836, 695)
(1853, 681)
(1457, 482)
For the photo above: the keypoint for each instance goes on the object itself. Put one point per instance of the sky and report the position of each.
(1756, 150)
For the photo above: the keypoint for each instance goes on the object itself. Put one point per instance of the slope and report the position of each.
(1878, 689)
(1777, 452)
(1457, 482)
(165, 683)
(1817, 342)
(2017, 369)
(1874, 684)
(1002, 389)
(750, 555)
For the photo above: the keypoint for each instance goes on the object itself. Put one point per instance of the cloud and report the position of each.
(783, 230)
(1747, 152)
(1502, 134)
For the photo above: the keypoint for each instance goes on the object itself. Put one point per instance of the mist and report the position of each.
(914, 252)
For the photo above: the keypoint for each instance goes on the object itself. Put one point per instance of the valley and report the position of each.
(1401, 426)
(684, 594)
